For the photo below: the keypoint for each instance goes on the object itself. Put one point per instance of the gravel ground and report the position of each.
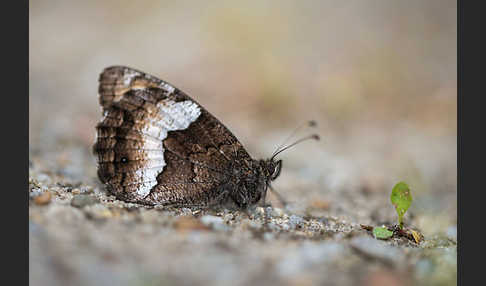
(81, 235)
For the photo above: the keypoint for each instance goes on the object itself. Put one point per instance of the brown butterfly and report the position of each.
(156, 145)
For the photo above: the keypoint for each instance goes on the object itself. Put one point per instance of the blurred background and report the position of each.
(379, 77)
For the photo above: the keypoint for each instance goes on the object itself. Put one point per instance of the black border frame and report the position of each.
(15, 134)
(470, 142)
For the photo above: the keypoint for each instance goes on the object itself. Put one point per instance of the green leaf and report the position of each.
(382, 233)
(401, 198)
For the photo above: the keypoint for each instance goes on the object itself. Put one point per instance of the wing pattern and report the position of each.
(156, 145)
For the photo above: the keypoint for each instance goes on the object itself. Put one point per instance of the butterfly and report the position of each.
(155, 145)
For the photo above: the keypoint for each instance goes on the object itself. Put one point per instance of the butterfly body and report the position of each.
(156, 145)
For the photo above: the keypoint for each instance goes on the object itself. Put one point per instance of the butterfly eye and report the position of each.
(276, 170)
(124, 160)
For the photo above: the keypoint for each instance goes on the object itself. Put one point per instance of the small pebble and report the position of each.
(186, 211)
(259, 211)
(80, 201)
(43, 199)
(295, 221)
(272, 226)
(254, 224)
(228, 217)
(321, 204)
(211, 219)
(215, 222)
(277, 212)
(285, 226)
(186, 223)
(99, 211)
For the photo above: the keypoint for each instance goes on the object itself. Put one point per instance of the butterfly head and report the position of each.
(271, 169)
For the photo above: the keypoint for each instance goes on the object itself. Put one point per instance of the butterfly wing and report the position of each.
(156, 145)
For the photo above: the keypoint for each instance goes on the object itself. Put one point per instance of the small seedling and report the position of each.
(401, 198)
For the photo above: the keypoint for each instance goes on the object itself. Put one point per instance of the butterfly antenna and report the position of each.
(313, 136)
(310, 123)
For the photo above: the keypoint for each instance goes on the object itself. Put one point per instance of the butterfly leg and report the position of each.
(279, 197)
(264, 199)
